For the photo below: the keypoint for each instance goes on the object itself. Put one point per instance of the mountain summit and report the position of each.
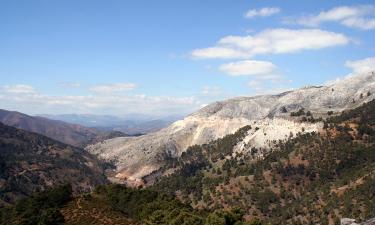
(272, 118)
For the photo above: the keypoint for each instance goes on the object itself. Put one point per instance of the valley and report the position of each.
(190, 112)
(221, 165)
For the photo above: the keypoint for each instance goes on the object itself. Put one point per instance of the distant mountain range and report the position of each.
(132, 125)
(68, 133)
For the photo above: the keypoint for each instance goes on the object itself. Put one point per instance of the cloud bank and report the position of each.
(361, 17)
(25, 98)
(111, 88)
(271, 41)
(362, 66)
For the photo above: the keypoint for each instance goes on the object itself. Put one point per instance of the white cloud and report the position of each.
(361, 17)
(248, 68)
(211, 91)
(269, 84)
(263, 87)
(254, 84)
(26, 99)
(263, 12)
(219, 52)
(362, 66)
(18, 89)
(271, 41)
(70, 84)
(111, 88)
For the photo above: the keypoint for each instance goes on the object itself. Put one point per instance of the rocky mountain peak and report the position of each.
(137, 157)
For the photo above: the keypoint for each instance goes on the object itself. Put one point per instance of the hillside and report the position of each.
(30, 162)
(112, 204)
(67, 133)
(137, 157)
(312, 178)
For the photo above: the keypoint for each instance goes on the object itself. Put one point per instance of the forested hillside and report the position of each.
(113, 204)
(312, 178)
(31, 162)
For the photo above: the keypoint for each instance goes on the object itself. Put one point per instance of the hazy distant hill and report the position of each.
(72, 134)
(30, 162)
(132, 125)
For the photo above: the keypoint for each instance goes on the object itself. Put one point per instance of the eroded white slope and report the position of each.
(271, 131)
(137, 157)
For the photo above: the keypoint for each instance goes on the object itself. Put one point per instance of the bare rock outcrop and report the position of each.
(137, 157)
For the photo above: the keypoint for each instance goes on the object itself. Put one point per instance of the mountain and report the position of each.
(71, 134)
(320, 177)
(273, 118)
(311, 178)
(31, 162)
(130, 125)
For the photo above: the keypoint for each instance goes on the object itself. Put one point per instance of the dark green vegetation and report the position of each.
(152, 207)
(30, 162)
(188, 179)
(41, 208)
(112, 204)
(313, 178)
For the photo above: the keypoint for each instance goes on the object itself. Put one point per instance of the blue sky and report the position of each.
(173, 57)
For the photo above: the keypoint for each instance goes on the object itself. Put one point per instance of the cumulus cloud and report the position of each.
(18, 89)
(263, 12)
(271, 41)
(263, 87)
(272, 83)
(358, 67)
(248, 68)
(211, 91)
(254, 84)
(362, 66)
(361, 17)
(29, 100)
(70, 84)
(111, 88)
(219, 52)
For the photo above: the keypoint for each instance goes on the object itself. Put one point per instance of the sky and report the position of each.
(170, 57)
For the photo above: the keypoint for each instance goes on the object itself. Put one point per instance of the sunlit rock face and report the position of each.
(137, 157)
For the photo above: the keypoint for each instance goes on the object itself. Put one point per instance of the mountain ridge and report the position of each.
(312, 178)
(68, 133)
(130, 126)
(140, 156)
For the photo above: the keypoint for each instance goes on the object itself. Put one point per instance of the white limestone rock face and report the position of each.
(271, 131)
(137, 157)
